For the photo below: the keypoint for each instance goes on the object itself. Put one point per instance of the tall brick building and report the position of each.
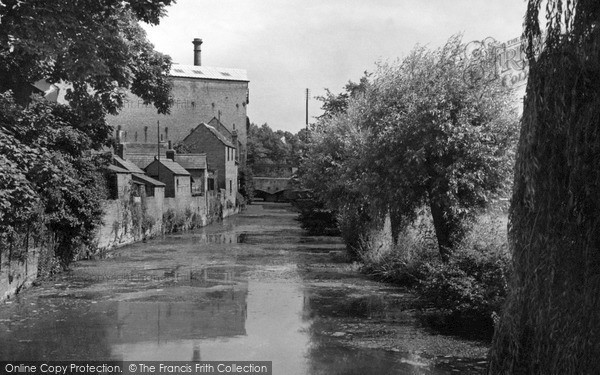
(201, 93)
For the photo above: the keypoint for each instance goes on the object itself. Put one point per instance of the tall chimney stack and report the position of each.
(197, 53)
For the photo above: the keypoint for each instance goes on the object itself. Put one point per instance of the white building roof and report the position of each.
(208, 72)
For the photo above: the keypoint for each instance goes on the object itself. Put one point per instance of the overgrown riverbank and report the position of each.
(463, 295)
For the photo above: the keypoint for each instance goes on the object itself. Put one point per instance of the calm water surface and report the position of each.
(251, 288)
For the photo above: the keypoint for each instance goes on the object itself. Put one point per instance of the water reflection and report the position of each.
(269, 329)
(50, 329)
(222, 238)
(220, 293)
(221, 314)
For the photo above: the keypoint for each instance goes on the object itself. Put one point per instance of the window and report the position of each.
(149, 191)
(112, 183)
(230, 187)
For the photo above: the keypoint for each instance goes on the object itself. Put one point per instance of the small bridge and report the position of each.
(272, 189)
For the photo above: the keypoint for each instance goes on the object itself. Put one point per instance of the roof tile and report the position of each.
(174, 167)
(208, 72)
(192, 161)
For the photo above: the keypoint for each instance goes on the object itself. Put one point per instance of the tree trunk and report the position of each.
(448, 230)
(551, 321)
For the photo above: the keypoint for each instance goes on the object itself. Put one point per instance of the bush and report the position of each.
(148, 222)
(315, 218)
(469, 289)
(173, 222)
(473, 285)
(401, 263)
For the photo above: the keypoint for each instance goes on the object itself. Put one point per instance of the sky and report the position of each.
(287, 46)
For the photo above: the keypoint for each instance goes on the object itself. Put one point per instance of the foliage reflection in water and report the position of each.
(252, 288)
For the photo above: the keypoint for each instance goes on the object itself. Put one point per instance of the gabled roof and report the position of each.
(215, 132)
(192, 161)
(215, 123)
(208, 72)
(219, 136)
(126, 164)
(147, 180)
(115, 169)
(173, 167)
(141, 160)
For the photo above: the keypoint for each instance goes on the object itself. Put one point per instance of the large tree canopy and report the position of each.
(440, 139)
(96, 45)
(51, 182)
(551, 322)
(418, 133)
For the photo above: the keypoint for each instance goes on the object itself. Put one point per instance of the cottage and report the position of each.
(174, 176)
(220, 156)
(117, 180)
(195, 164)
(138, 176)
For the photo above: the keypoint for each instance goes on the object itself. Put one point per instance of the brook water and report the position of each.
(254, 287)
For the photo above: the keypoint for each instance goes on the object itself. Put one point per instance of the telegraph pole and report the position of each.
(307, 95)
(158, 148)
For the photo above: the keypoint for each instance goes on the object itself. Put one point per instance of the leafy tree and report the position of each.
(50, 174)
(418, 134)
(551, 321)
(333, 170)
(438, 139)
(334, 104)
(96, 45)
(271, 152)
(51, 178)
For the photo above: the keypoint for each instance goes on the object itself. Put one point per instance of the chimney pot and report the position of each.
(197, 53)
(121, 150)
(170, 155)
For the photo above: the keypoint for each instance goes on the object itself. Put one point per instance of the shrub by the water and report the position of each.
(400, 263)
(315, 218)
(469, 289)
(474, 283)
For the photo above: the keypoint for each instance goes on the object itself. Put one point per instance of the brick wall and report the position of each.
(17, 274)
(118, 228)
(196, 101)
(188, 205)
(183, 186)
